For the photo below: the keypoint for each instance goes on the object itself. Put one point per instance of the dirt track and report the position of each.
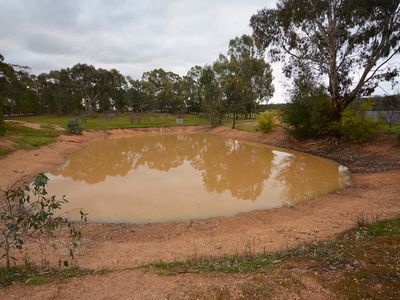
(373, 194)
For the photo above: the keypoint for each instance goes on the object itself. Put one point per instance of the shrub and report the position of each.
(356, 126)
(215, 120)
(398, 135)
(2, 123)
(309, 116)
(74, 126)
(2, 126)
(266, 121)
(28, 213)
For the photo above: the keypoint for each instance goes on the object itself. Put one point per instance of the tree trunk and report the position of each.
(234, 120)
(337, 110)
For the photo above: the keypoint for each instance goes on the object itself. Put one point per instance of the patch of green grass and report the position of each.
(121, 121)
(5, 151)
(20, 137)
(36, 277)
(385, 228)
(228, 264)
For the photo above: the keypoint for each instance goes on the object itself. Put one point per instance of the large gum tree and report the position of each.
(347, 43)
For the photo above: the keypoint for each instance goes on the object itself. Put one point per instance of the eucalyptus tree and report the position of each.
(346, 43)
(8, 79)
(134, 95)
(190, 89)
(254, 71)
(88, 85)
(114, 86)
(16, 89)
(211, 94)
(98, 89)
(165, 88)
(56, 92)
(245, 76)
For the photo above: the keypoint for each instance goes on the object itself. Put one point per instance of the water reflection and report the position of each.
(156, 178)
(225, 164)
(304, 176)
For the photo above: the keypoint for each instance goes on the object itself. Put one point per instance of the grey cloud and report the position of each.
(132, 36)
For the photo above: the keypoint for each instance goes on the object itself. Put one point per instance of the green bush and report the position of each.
(356, 126)
(309, 116)
(29, 213)
(266, 121)
(74, 126)
(2, 126)
(2, 123)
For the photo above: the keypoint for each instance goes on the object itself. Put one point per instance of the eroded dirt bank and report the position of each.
(374, 194)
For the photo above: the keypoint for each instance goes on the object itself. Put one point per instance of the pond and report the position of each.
(158, 178)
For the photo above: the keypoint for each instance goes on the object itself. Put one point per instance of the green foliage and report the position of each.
(244, 76)
(356, 126)
(74, 126)
(212, 96)
(28, 213)
(2, 126)
(266, 121)
(164, 89)
(2, 123)
(385, 228)
(309, 114)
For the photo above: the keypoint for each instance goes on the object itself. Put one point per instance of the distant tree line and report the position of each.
(236, 83)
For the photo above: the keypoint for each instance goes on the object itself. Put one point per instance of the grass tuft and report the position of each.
(34, 276)
(228, 264)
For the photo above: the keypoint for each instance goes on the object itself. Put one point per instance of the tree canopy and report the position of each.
(245, 76)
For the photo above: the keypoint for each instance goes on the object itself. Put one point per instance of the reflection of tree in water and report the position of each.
(98, 160)
(302, 176)
(238, 167)
(225, 164)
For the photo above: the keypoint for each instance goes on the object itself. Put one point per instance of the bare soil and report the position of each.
(373, 195)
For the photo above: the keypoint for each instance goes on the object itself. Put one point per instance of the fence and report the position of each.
(392, 117)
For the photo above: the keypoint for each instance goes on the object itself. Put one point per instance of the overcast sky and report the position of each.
(132, 36)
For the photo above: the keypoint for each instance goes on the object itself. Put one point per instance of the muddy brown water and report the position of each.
(158, 178)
